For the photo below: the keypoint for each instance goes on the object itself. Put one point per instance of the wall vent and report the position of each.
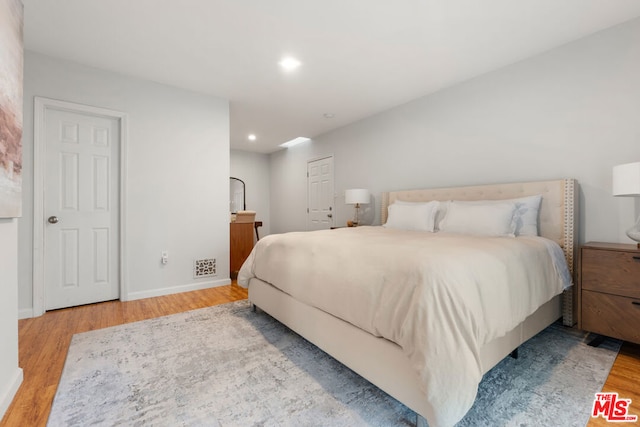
(204, 267)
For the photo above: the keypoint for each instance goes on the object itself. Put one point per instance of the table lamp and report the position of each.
(356, 196)
(626, 182)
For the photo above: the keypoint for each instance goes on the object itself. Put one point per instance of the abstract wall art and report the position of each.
(11, 66)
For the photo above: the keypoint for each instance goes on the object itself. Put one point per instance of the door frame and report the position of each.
(41, 105)
(333, 183)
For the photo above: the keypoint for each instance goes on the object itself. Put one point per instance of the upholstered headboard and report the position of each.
(557, 218)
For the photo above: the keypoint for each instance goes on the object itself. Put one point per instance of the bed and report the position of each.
(367, 346)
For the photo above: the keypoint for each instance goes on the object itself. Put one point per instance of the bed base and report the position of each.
(370, 356)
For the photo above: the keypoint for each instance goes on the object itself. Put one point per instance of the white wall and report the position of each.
(177, 174)
(10, 374)
(571, 112)
(253, 169)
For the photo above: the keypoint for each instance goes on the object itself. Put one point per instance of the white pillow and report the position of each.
(412, 216)
(441, 214)
(493, 219)
(525, 217)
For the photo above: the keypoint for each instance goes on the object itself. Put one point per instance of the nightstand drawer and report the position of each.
(611, 315)
(613, 272)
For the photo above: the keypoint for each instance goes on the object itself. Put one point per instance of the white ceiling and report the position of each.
(359, 57)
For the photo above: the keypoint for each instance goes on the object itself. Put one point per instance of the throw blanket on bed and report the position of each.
(439, 296)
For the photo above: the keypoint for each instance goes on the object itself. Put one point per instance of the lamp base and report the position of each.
(634, 232)
(356, 221)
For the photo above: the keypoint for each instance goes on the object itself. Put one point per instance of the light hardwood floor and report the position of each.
(624, 378)
(44, 341)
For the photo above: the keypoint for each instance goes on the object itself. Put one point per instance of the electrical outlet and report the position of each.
(165, 257)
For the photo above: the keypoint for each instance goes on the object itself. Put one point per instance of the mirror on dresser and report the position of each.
(237, 197)
(242, 226)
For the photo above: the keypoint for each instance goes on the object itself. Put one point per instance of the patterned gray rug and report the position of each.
(228, 366)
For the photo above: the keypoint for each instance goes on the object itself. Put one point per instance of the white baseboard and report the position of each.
(25, 313)
(177, 289)
(7, 395)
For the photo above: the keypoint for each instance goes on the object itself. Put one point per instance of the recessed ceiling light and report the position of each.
(328, 115)
(295, 141)
(289, 63)
(251, 137)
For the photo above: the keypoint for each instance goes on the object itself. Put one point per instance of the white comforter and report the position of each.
(438, 296)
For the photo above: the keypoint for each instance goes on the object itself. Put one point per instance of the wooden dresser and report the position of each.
(241, 243)
(609, 290)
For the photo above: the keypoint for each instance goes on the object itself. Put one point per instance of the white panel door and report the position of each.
(80, 209)
(320, 193)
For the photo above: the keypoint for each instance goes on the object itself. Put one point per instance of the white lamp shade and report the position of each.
(626, 179)
(356, 195)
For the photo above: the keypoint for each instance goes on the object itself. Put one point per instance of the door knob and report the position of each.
(53, 219)
(330, 215)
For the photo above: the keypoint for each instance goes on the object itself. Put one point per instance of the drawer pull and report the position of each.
(637, 258)
(635, 302)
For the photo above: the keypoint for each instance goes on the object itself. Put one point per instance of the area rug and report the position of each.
(229, 366)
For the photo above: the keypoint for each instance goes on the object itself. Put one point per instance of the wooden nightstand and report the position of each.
(609, 290)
